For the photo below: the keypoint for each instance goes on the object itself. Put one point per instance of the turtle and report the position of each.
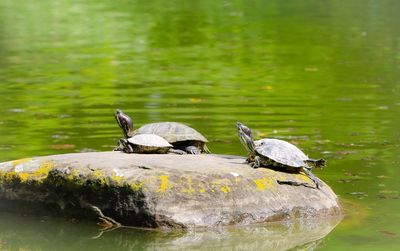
(144, 143)
(278, 154)
(183, 138)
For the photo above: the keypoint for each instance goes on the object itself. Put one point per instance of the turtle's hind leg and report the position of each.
(316, 163)
(177, 151)
(124, 146)
(193, 150)
(314, 178)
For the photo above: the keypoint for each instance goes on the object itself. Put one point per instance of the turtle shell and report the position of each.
(149, 140)
(281, 152)
(172, 131)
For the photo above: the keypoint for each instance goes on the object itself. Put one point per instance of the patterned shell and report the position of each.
(149, 140)
(281, 152)
(172, 131)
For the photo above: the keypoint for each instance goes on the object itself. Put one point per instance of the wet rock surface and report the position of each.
(161, 191)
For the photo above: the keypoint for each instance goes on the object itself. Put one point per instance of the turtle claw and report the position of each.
(250, 159)
(124, 146)
(254, 165)
(120, 147)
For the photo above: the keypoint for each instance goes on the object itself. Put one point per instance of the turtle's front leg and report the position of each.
(256, 163)
(124, 146)
(120, 146)
(250, 159)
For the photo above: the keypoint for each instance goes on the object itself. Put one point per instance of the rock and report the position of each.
(161, 191)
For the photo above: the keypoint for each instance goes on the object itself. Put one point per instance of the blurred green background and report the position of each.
(324, 75)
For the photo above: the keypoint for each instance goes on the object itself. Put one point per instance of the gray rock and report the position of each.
(162, 191)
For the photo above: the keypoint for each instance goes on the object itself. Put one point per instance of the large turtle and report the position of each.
(183, 138)
(277, 153)
(144, 143)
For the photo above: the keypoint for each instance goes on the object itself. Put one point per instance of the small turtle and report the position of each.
(183, 138)
(278, 153)
(144, 143)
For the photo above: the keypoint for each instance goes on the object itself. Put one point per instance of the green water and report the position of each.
(324, 75)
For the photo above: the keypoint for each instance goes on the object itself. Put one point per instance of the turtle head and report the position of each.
(125, 123)
(245, 137)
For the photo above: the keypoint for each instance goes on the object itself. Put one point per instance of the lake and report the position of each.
(324, 75)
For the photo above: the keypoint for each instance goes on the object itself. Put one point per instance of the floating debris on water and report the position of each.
(349, 180)
(389, 194)
(359, 195)
(87, 150)
(387, 233)
(17, 110)
(62, 146)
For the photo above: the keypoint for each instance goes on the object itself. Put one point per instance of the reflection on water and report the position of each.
(322, 75)
(56, 234)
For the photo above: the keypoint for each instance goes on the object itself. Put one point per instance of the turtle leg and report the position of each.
(193, 150)
(125, 146)
(317, 163)
(314, 178)
(177, 151)
(250, 159)
(256, 163)
(119, 147)
(186, 150)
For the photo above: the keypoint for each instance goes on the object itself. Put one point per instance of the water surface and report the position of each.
(322, 75)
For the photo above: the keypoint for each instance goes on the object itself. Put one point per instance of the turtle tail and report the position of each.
(316, 163)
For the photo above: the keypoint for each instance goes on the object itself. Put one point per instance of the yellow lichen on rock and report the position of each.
(226, 189)
(73, 174)
(9, 176)
(303, 177)
(187, 185)
(201, 187)
(99, 175)
(20, 161)
(223, 185)
(280, 177)
(136, 186)
(164, 184)
(117, 178)
(264, 183)
(43, 171)
(23, 176)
